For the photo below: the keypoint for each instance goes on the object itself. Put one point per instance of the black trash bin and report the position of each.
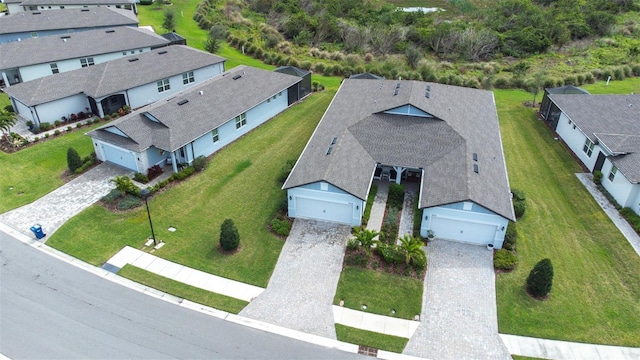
(37, 231)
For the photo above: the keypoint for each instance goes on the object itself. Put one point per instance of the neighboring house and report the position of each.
(446, 138)
(304, 86)
(174, 39)
(548, 110)
(104, 88)
(366, 75)
(603, 131)
(38, 57)
(198, 121)
(30, 24)
(16, 6)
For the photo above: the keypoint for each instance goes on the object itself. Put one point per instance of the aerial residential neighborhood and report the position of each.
(339, 179)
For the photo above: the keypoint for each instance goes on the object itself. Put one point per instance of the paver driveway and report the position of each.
(301, 290)
(459, 316)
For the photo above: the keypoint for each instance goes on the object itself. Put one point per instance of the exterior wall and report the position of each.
(332, 194)
(27, 34)
(622, 190)
(575, 139)
(41, 70)
(148, 93)
(55, 110)
(57, 7)
(477, 214)
(23, 110)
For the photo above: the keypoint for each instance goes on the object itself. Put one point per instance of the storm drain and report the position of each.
(366, 350)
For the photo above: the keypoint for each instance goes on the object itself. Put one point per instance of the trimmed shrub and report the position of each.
(73, 160)
(519, 208)
(518, 195)
(56, 132)
(510, 237)
(129, 202)
(229, 237)
(199, 163)
(286, 170)
(367, 209)
(125, 185)
(46, 136)
(504, 259)
(353, 244)
(281, 227)
(540, 279)
(140, 177)
(597, 177)
(391, 254)
(112, 196)
(632, 218)
(45, 126)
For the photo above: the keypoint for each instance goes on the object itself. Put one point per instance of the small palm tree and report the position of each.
(412, 247)
(366, 238)
(7, 120)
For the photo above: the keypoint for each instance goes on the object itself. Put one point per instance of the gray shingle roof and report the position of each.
(77, 45)
(222, 99)
(76, 2)
(613, 120)
(113, 76)
(66, 19)
(464, 122)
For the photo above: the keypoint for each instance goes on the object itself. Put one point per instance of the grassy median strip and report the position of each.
(182, 290)
(383, 294)
(596, 286)
(371, 339)
(240, 183)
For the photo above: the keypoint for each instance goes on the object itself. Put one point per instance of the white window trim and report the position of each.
(163, 85)
(241, 121)
(612, 173)
(216, 135)
(588, 147)
(188, 78)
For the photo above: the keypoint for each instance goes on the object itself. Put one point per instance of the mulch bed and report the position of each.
(375, 262)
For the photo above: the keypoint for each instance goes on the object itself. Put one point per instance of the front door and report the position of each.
(599, 162)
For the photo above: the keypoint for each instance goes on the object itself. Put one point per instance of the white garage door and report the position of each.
(323, 210)
(120, 157)
(461, 230)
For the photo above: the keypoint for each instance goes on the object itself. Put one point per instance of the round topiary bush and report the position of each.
(540, 279)
(229, 237)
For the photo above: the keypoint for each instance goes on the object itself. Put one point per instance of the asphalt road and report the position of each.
(52, 310)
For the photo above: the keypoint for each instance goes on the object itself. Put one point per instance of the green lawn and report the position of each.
(596, 290)
(37, 170)
(372, 339)
(381, 292)
(182, 290)
(239, 183)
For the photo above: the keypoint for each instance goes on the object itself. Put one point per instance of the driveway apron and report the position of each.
(459, 316)
(60, 205)
(303, 284)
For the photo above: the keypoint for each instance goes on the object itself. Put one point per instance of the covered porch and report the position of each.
(397, 174)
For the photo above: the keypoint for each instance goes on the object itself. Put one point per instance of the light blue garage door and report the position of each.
(120, 157)
(464, 231)
(324, 210)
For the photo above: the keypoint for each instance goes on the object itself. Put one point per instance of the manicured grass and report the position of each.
(596, 287)
(37, 170)
(239, 183)
(371, 339)
(627, 86)
(381, 292)
(182, 290)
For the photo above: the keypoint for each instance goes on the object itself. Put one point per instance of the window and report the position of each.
(87, 62)
(140, 50)
(241, 120)
(216, 137)
(163, 85)
(54, 68)
(133, 52)
(34, 34)
(61, 7)
(188, 78)
(124, 53)
(588, 147)
(612, 173)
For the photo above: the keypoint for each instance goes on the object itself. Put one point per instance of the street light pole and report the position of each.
(145, 194)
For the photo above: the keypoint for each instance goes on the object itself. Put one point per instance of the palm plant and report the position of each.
(7, 120)
(366, 238)
(412, 247)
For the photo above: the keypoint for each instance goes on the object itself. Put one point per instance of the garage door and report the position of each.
(323, 210)
(120, 157)
(461, 230)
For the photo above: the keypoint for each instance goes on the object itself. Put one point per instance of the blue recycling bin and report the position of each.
(37, 231)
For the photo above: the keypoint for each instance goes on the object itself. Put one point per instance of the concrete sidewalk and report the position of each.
(564, 350)
(587, 180)
(377, 323)
(183, 274)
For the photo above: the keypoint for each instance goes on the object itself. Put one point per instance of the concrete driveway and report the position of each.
(459, 316)
(301, 290)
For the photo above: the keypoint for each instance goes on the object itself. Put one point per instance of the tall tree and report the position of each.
(169, 22)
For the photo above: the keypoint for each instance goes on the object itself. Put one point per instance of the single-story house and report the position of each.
(16, 6)
(446, 138)
(25, 25)
(196, 122)
(603, 131)
(104, 88)
(34, 58)
(548, 111)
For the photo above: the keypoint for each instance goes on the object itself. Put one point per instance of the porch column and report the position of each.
(173, 162)
(6, 80)
(399, 170)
